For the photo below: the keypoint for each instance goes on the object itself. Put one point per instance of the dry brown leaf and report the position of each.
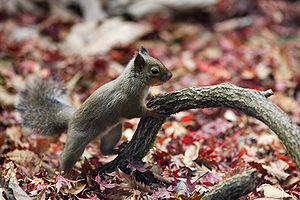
(232, 172)
(14, 133)
(29, 161)
(128, 134)
(1, 194)
(41, 195)
(13, 183)
(177, 129)
(275, 172)
(43, 144)
(6, 98)
(280, 164)
(269, 141)
(89, 38)
(21, 156)
(118, 193)
(229, 115)
(188, 61)
(283, 72)
(271, 191)
(76, 188)
(190, 155)
(235, 23)
(131, 182)
(158, 174)
(287, 103)
(268, 198)
(263, 71)
(291, 181)
(143, 8)
(248, 74)
(2, 138)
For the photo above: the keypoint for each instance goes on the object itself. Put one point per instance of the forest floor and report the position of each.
(252, 44)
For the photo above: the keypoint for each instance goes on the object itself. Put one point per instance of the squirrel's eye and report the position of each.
(154, 70)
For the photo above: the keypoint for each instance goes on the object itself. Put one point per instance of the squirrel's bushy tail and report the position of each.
(42, 108)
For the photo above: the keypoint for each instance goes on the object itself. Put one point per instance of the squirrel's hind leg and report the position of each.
(74, 147)
(110, 140)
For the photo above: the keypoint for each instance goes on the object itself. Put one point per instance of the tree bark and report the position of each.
(234, 187)
(252, 102)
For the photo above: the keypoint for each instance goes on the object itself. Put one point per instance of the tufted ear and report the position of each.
(144, 51)
(139, 62)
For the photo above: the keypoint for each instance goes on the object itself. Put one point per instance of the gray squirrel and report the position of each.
(101, 114)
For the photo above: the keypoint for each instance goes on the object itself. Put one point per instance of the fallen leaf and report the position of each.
(88, 38)
(191, 154)
(177, 129)
(160, 193)
(29, 161)
(14, 133)
(14, 184)
(281, 175)
(62, 181)
(269, 141)
(271, 191)
(6, 98)
(76, 188)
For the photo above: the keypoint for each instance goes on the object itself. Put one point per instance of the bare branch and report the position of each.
(252, 102)
(234, 187)
(267, 93)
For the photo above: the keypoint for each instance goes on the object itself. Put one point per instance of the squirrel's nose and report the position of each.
(170, 75)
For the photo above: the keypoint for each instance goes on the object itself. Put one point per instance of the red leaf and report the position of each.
(210, 151)
(51, 56)
(104, 184)
(187, 118)
(189, 185)
(136, 165)
(166, 125)
(238, 156)
(27, 66)
(174, 147)
(280, 156)
(160, 193)
(27, 18)
(60, 180)
(188, 139)
(210, 179)
(258, 166)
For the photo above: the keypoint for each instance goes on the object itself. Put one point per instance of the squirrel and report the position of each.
(101, 114)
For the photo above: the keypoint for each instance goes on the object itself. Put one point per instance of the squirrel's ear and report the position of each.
(144, 51)
(139, 62)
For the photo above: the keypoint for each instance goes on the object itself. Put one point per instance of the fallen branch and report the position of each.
(252, 102)
(234, 187)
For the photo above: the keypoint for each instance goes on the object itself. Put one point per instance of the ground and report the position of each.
(252, 44)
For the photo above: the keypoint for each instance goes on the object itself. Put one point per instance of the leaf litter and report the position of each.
(252, 44)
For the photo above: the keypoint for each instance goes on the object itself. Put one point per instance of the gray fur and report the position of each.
(42, 109)
(100, 115)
